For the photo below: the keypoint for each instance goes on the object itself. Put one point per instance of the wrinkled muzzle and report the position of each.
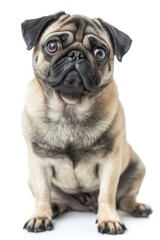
(74, 75)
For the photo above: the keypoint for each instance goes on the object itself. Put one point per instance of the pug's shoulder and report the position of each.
(35, 98)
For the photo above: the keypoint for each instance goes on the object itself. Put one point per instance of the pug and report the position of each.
(74, 124)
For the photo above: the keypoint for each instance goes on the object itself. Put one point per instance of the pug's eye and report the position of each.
(100, 53)
(53, 46)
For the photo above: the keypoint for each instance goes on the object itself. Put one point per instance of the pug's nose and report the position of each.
(76, 55)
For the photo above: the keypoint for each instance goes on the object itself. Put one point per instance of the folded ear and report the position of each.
(32, 29)
(121, 41)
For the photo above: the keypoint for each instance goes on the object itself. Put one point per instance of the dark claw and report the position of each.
(30, 228)
(122, 230)
(25, 225)
(104, 230)
(49, 226)
(124, 227)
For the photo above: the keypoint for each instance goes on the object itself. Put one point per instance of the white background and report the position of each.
(138, 79)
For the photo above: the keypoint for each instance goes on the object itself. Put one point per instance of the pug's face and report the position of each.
(74, 55)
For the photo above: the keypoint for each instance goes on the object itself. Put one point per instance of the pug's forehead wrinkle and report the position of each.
(77, 26)
(64, 17)
(78, 22)
(80, 26)
(96, 22)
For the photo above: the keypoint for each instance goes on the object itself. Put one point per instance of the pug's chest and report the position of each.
(73, 140)
(74, 154)
(68, 135)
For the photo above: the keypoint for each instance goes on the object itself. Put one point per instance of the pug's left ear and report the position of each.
(32, 29)
(121, 41)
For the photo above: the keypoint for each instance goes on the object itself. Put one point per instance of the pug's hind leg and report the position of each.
(58, 208)
(128, 188)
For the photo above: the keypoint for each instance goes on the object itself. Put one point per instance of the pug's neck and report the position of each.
(81, 109)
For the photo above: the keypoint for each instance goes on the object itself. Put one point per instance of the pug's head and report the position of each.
(74, 55)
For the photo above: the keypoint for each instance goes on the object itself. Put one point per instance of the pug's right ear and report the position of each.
(33, 28)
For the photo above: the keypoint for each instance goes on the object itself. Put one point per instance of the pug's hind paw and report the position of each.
(38, 225)
(141, 210)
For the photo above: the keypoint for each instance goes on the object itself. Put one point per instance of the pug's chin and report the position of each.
(70, 95)
(69, 100)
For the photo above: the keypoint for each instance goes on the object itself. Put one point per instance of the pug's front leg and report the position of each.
(40, 185)
(107, 217)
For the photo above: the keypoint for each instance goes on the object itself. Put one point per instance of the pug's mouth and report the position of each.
(72, 88)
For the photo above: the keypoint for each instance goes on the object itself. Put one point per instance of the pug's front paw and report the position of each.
(111, 228)
(38, 225)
